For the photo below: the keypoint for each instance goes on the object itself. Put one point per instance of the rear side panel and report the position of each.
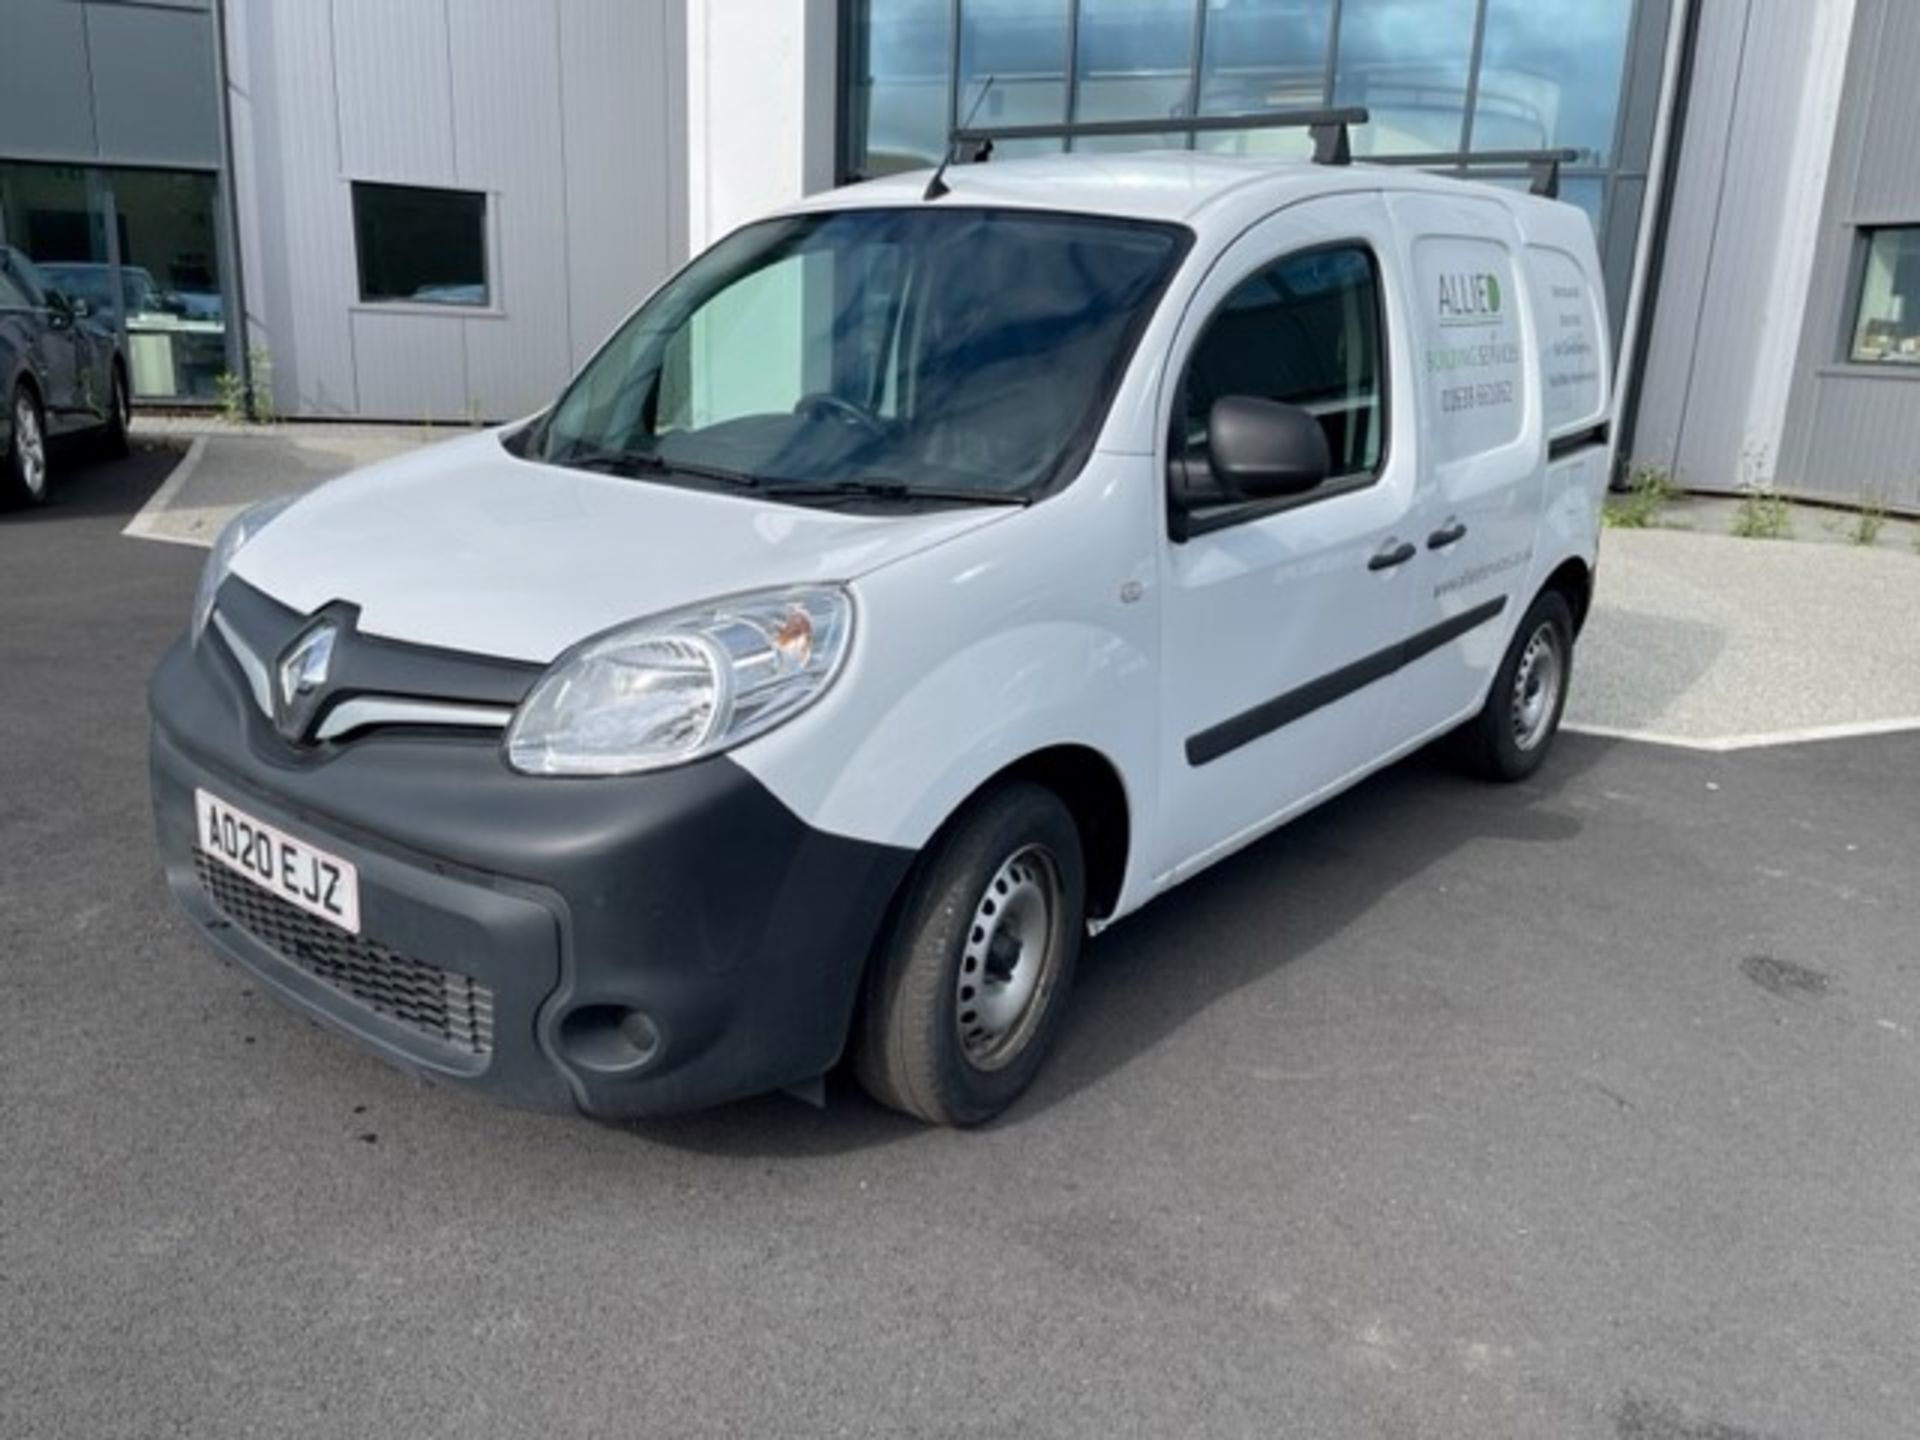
(1576, 368)
(1473, 336)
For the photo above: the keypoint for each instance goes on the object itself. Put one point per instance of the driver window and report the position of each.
(1305, 331)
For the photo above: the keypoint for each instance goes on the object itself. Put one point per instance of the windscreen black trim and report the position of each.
(1270, 715)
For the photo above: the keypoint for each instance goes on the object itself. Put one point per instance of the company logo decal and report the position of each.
(1470, 297)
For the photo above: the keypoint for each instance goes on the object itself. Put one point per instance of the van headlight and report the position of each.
(233, 535)
(683, 685)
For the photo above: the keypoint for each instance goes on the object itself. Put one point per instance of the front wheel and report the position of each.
(968, 987)
(1515, 729)
(24, 480)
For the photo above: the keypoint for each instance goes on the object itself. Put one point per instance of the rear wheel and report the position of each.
(970, 982)
(1515, 729)
(26, 468)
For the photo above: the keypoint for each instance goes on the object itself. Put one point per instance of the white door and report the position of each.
(1479, 403)
(1282, 619)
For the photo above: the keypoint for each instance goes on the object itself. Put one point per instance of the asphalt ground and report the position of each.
(1584, 1108)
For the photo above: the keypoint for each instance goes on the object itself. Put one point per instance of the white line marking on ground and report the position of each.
(146, 525)
(1725, 744)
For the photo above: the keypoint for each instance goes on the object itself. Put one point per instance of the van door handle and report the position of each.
(1394, 552)
(1448, 533)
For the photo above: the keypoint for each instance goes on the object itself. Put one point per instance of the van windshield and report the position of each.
(936, 354)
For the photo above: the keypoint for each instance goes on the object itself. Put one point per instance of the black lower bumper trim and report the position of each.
(691, 898)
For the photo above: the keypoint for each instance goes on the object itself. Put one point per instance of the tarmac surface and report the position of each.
(1588, 1107)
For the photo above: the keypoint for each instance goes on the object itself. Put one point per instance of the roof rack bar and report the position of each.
(1331, 145)
(1542, 166)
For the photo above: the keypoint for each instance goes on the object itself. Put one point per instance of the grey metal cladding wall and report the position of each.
(116, 83)
(624, 108)
(43, 68)
(1853, 431)
(568, 114)
(1723, 239)
(156, 95)
(1693, 213)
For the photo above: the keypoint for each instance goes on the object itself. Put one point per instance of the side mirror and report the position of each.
(1264, 449)
(78, 308)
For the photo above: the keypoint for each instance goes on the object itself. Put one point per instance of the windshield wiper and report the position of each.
(880, 489)
(640, 462)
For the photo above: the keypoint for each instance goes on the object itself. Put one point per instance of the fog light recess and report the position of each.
(609, 1039)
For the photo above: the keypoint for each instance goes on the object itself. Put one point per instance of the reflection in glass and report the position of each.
(1264, 55)
(899, 84)
(164, 297)
(1135, 62)
(1887, 330)
(1407, 62)
(1550, 75)
(1022, 46)
(170, 283)
(53, 215)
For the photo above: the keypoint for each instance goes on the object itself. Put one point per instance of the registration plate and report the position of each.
(300, 874)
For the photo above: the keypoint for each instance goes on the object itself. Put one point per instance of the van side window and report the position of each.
(1306, 331)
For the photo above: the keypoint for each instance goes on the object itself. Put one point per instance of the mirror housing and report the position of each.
(1265, 449)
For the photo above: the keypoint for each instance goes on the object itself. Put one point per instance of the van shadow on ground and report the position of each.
(1140, 982)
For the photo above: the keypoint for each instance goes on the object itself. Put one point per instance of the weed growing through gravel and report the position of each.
(1763, 516)
(1871, 520)
(1650, 489)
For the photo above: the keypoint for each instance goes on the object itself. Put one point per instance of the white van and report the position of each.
(923, 578)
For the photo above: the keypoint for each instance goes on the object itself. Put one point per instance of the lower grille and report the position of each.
(454, 1009)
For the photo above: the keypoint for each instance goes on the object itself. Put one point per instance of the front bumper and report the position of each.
(512, 926)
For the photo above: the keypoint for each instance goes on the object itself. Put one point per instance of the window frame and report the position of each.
(1186, 523)
(1850, 356)
(409, 305)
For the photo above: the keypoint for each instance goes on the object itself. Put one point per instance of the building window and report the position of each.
(141, 248)
(1887, 329)
(421, 246)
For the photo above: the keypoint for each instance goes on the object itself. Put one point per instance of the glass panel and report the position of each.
(52, 215)
(1264, 55)
(1406, 61)
(169, 297)
(1888, 328)
(1022, 46)
(1135, 63)
(899, 84)
(1550, 73)
(1307, 332)
(962, 349)
(426, 246)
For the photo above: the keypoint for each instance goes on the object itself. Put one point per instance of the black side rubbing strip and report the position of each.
(1270, 715)
(1566, 445)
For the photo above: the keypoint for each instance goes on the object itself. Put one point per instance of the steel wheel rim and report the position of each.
(1010, 959)
(1536, 686)
(30, 446)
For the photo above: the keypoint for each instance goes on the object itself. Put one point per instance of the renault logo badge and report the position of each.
(304, 669)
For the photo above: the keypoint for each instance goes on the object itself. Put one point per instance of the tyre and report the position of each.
(967, 989)
(113, 435)
(24, 481)
(1515, 729)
